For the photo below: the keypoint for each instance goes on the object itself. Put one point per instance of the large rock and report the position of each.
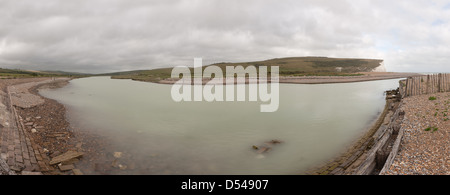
(70, 155)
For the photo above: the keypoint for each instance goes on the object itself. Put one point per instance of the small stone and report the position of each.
(117, 154)
(77, 172)
(79, 145)
(33, 130)
(263, 150)
(3, 156)
(15, 168)
(30, 173)
(122, 167)
(260, 156)
(66, 167)
(72, 161)
(114, 163)
(54, 154)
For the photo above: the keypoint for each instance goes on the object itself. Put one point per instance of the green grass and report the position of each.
(431, 128)
(432, 98)
(295, 66)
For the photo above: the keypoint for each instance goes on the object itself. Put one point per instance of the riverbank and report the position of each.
(35, 133)
(351, 161)
(362, 76)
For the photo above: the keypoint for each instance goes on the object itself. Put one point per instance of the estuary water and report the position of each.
(155, 135)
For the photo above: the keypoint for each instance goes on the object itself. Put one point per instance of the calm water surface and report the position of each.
(159, 136)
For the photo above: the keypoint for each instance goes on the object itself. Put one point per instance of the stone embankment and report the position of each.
(33, 130)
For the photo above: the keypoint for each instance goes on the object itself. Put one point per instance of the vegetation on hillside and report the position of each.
(296, 66)
(16, 73)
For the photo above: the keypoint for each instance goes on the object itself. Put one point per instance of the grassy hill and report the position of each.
(16, 73)
(295, 66)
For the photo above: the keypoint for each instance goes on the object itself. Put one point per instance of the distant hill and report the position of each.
(17, 73)
(65, 73)
(295, 66)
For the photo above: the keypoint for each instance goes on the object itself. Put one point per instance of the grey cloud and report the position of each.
(114, 35)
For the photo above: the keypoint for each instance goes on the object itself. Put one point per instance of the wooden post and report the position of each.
(446, 82)
(407, 87)
(415, 85)
(420, 85)
(434, 84)
(440, 82)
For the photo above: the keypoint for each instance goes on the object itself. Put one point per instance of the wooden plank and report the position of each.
(393, 153)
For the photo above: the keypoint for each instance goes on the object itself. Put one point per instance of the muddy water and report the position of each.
(156, 135)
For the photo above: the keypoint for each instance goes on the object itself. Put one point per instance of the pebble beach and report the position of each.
(425, 146)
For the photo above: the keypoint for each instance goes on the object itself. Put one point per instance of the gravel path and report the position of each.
(22, 98)
(425, 147)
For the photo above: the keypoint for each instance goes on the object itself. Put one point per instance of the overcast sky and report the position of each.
(115, 35)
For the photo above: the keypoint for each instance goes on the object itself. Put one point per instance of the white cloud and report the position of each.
(113, 35)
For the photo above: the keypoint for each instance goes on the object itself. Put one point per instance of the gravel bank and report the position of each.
(425, 146)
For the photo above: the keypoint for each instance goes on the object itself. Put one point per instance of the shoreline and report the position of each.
(38, 132)
(367, 76)
(350, 161)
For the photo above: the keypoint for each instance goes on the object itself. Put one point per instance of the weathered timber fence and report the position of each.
(426, 84)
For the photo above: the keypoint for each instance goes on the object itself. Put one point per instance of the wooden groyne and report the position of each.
(426, 84)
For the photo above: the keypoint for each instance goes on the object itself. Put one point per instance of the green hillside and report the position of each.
(17, 73)
(296, 66)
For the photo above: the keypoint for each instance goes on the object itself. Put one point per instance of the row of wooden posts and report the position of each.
(426, 84)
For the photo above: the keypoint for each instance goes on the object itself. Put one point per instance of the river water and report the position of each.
(156, 135)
